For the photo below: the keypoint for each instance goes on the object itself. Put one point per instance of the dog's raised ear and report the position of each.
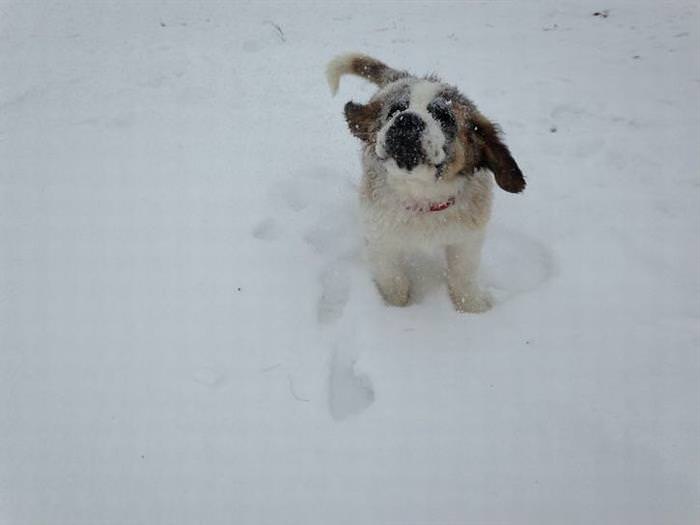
(362, 119)
(496, 157)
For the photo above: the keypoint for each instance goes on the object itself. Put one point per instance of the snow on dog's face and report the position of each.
(418, 127)
(422, 128)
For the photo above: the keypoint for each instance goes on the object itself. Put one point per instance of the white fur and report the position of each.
(422, 94)
(380, 146)
(393, 230)
(390, 221)
(420, 183)
(391, 197)
(433, 139)
(339, 66)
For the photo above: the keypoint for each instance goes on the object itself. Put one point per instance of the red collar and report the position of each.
(431, 207)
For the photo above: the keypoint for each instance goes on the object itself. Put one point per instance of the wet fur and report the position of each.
(394, 230)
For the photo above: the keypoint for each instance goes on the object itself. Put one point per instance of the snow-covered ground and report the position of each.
(190, 335)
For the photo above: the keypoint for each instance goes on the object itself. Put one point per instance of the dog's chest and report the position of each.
(404, 219)
(393, 224)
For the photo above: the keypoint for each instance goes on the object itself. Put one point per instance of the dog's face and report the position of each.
(422, 126)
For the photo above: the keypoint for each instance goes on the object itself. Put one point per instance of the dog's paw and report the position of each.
(473, 301)
(397, 292)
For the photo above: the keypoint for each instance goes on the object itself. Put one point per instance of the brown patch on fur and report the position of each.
(496, 156)
(375, 71)
(464, 155)
(362, 119)
(484, 148)
(457, 164)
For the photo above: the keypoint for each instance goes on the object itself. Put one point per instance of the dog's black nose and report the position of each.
(403, 140)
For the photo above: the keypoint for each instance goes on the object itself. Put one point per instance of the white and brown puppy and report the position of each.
(427, 154)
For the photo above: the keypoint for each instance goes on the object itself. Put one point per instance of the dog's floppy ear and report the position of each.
(362, 119)
(496, 157)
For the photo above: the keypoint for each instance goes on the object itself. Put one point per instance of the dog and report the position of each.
(427, 159)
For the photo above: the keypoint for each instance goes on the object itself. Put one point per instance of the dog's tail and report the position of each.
(362, 66)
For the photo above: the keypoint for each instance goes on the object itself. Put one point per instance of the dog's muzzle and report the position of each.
(404, 140)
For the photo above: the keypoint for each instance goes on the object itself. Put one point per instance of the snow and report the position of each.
(190, 334)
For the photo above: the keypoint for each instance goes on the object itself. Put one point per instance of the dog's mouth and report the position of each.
(424, 171)
(417, 167)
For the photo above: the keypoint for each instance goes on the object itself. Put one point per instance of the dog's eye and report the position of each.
(440, 110)
(395, 108)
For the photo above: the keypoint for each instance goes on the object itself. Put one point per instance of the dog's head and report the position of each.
(422, 123)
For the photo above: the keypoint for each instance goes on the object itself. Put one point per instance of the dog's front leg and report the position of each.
(389, 276)
(462, 267)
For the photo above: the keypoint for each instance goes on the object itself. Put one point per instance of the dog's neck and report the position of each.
(429, 207)
(420, 189)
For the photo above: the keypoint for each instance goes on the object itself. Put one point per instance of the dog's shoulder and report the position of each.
(476, 199)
